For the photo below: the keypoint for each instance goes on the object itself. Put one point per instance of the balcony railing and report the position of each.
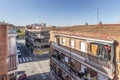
(66, 69)
(98, 61)
(70, 52)
(41, 37)
(81, 56)
(12, 62)
(55, 75)
(41, 43)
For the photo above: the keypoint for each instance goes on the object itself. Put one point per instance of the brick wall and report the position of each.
(3, 50)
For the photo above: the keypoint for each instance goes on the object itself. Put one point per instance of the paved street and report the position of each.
(35, 68)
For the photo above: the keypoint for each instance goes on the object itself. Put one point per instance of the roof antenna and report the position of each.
(98, 15)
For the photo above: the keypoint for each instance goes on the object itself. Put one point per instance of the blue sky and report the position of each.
(59, 12)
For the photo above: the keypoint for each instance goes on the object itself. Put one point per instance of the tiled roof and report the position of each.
(107, 29)
(101, 31)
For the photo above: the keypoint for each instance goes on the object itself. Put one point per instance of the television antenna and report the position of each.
(98, 19)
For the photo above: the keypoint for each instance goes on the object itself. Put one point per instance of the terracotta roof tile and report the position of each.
(92, 31)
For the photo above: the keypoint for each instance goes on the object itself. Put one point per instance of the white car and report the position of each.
(18, 53)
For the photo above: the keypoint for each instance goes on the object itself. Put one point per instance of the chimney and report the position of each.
(100, 24)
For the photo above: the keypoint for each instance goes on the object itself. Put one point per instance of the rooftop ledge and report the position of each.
(88, 37)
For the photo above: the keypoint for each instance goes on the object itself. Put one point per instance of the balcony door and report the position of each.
(83, 46)
(58, 40)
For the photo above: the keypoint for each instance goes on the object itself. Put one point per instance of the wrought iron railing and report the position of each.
(12, 62)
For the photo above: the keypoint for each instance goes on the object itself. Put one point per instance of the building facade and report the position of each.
(12, 57)
(3, 53)
(37, 40)
(87, 52)
(8, 58)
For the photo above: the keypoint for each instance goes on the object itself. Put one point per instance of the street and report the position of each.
(36, 68)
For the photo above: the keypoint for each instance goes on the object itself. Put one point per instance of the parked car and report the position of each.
(18, 53)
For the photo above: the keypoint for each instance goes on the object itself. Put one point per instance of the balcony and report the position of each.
(70, 52)
(55, 75)
(101, 65)
(66, 69)
(40, 43)
(83, 58)
(97, 61)
(12, 62)
(41, 36)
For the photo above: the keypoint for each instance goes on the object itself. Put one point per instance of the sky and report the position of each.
(59, 12)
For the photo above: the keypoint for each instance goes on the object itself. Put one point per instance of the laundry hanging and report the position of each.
(103, 52)
(94, 48)
(108, 50)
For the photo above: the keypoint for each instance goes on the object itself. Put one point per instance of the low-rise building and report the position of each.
(85, 52)
(37, 40)
(12, 55)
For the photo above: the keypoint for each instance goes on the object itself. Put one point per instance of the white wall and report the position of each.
(12, 45)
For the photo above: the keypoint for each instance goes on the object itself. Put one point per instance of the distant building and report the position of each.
(8, 57)
(85, 52)
(37, 40)
(36, 25)
(20, 27)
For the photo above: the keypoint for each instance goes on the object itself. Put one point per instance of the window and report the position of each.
(83, 46)
(66, 59)
(72, 43)
(63, 41)
(55, 40)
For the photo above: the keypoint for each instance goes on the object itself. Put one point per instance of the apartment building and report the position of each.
(85, 52)
(3, 53)
(8, 58)
(12, 58)
(37, 40)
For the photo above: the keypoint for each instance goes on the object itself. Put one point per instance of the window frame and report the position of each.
(63, 41)
(81, 46)
(72, 41)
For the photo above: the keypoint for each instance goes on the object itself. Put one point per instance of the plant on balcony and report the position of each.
(71, 64)
(53, 55)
